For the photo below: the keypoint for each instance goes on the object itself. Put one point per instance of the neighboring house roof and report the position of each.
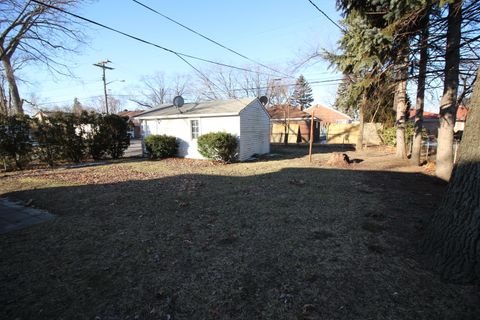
(426, 115)
(462, 112)
(279, 112)
(327, 114)
(130, 114)
(47, 114)
(214, 108)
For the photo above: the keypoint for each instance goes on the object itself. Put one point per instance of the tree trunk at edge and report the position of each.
(448, 105)
(12, 84)
(422, 72)
(453, 236)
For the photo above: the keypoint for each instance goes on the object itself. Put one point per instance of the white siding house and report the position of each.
(245, 118)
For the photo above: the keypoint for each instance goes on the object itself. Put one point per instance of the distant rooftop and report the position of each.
(279, 112)
(327, 114)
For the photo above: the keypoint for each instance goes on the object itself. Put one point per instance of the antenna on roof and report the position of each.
(178, 102)
(263, 100)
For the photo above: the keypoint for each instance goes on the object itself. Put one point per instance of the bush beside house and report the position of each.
(161, 146)
(218, 146)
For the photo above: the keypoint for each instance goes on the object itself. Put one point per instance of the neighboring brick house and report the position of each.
(134, 124)
(431, 120)
(298, 125)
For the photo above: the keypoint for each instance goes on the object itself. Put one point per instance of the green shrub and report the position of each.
(47, 136)
(161, 146)
(72, 138)
(218, 146)
(117, 128)
(15, 143)
(109, 136)
(389, 135)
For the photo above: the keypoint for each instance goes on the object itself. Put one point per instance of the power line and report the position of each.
(326, 15)
(209, 39)
(148, 42)
(317, 83)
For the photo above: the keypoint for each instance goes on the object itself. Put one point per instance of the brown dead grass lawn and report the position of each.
(182, 239)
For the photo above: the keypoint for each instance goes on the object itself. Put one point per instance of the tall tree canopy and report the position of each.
(34, 33)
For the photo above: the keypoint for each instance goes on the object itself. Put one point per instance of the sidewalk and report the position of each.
(14, 216)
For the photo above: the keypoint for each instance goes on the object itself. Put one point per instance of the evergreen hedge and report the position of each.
(161, 146)
(218, 146)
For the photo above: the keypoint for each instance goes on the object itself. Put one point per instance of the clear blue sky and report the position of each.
(274, 32)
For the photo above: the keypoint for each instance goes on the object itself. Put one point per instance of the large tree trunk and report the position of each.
(422, 72)
(453, 236)
(401, 104)
(448, 105)
(12, 84)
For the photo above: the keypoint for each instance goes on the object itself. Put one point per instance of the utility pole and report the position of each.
(103, 65)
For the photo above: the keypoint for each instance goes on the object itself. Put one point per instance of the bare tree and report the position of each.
(35, 33)
(227, 83)
(97, 104)
(158, 89)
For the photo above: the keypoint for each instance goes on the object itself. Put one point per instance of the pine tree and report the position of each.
(302, 95)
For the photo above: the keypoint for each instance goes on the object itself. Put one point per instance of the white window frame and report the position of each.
(194, 135)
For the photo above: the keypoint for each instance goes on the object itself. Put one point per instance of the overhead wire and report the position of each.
(317, 83)
(149, 42)
(326, 15)
(209, 39)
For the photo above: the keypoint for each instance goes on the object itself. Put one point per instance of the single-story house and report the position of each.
(245, 118)
(297, 121)
(133, 124)
(43, 116)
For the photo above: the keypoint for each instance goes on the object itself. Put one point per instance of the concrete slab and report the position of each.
(15, 216)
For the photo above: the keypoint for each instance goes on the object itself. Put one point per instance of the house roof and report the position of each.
(462, 112)
(130, 114)
(198, 109)
(426, 115)
(279, 112)
(327, 114)
(47, 114)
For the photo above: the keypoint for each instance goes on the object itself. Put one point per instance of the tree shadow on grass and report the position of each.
(340, 245)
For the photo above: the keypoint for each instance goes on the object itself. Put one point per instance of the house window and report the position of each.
(194, 128)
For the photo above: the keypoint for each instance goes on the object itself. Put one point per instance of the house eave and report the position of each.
(186, 116)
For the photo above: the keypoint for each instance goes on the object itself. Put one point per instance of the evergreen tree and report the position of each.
(302, 95)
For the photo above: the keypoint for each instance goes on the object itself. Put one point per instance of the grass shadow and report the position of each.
(196, 246)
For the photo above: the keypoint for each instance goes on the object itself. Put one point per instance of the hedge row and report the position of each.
(61, 137)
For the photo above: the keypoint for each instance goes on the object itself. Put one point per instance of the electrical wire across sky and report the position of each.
(184, 55)
(211, 40)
